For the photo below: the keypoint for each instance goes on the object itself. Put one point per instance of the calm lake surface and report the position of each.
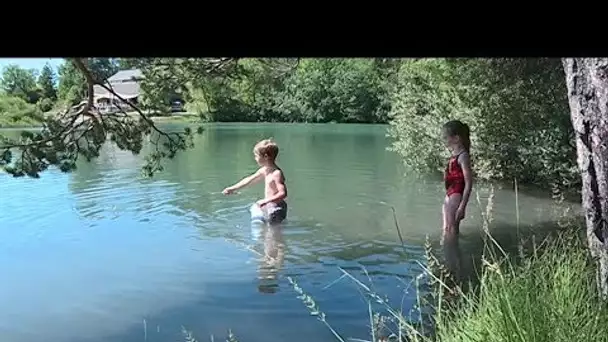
(103, 255)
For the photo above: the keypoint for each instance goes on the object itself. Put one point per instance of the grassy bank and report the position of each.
(175, 117)
(549, 295)
(545, 293)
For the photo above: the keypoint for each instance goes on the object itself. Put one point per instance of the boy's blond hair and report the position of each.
(267, 148)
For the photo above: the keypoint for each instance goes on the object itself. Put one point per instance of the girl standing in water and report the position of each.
(458, 176)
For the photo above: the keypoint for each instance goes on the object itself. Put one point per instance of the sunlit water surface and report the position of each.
(103, 255)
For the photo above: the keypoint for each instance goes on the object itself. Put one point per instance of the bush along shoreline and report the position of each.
(17, 113)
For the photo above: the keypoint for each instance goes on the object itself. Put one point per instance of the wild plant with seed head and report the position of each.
(188, 336)
(313, 307)
(231, 337)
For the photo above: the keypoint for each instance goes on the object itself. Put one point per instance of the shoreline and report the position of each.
(196, 118)
(182, 117)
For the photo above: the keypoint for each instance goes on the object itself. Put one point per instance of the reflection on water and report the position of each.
(271, 261)
(89, 256)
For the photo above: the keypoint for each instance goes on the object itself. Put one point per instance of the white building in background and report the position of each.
(125, 83)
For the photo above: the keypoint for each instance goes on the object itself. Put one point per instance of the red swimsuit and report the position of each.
(453, 177)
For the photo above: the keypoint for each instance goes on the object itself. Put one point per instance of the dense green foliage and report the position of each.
(46, 90)
(313, 90)
(103, 68)
(46, 82)
(72, 84)
(20, 83)
(23, 99)
(517, 110)
(16, 112)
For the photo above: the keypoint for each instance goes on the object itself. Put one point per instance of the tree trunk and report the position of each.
(587, 81)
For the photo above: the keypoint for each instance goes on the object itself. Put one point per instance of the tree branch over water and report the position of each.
(81, 131)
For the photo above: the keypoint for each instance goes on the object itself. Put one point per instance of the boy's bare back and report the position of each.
(274, 181)
(275, 190)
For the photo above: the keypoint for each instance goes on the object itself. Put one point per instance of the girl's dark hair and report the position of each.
(459, 128)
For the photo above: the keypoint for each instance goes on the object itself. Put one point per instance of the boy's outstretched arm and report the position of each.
(465, 164)
(251, 179)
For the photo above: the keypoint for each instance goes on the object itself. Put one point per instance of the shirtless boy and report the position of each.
(275, 191)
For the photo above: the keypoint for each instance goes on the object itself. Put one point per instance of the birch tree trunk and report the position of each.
(587, 81)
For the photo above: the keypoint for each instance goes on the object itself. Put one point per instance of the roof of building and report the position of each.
(126, 90)
(126, 75)
(124, 83)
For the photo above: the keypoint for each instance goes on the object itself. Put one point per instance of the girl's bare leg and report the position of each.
(450, 206)
(451, 248)
(445, 214)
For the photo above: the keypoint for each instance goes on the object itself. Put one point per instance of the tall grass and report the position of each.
(550, 296)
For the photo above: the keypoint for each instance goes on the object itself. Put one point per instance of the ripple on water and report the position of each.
(98, 251)
(145, 200)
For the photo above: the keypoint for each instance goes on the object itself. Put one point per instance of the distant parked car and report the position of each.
(177, 106)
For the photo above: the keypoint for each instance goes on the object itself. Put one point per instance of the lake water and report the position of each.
(103, 255)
